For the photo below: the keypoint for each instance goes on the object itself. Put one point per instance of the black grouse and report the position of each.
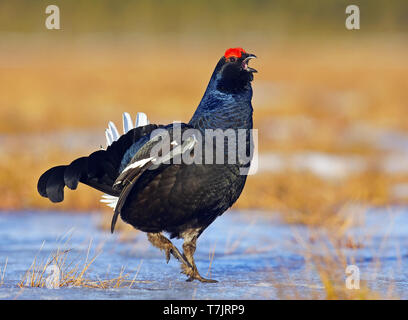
(173, 178)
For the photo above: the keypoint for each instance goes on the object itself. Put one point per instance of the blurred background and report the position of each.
(330, 104)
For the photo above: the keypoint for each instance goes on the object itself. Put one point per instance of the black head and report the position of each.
(232, 72)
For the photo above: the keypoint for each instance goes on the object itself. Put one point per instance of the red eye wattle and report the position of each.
(234, 52)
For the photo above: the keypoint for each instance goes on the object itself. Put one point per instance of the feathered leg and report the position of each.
(161, 242)
(189, 248)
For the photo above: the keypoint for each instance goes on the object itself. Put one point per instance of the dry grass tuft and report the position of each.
(3, 272)
(325, 257)
(70, 274)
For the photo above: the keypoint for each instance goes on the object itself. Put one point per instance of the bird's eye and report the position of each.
(232, 59)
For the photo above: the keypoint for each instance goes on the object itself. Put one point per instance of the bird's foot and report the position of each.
(171, 249)
(201, 279)
(161, 242)
(193, 274)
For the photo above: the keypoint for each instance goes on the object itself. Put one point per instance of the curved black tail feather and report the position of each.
(99, 170)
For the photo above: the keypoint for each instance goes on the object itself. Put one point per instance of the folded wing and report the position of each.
(159, 151)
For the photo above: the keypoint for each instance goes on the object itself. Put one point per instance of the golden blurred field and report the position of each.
(308, 96)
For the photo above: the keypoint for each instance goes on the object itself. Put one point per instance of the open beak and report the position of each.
(245, 63)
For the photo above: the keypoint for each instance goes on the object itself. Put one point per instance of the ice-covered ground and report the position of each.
(253, 254)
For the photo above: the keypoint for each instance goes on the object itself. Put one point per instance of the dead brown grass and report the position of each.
(70, 274)
(3, 272)
(324, 256)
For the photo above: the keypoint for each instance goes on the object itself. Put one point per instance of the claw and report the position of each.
(208, 280)
(193, 274)
(168, 251)
(201, 279)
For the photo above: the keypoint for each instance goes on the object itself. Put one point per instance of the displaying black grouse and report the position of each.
(155, 193)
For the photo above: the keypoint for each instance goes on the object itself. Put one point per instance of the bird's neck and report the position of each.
(223, 110)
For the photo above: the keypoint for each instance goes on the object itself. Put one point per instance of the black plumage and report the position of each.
(158, 194)
(99, 170)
